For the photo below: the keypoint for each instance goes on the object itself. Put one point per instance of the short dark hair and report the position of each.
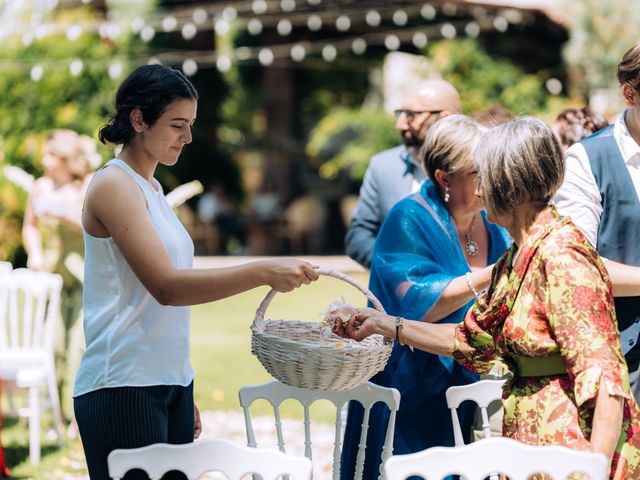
(151, 88)
(629, 67)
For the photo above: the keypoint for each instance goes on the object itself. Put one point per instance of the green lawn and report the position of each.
(221, 357)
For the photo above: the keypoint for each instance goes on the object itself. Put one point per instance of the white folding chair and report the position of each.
(366, 394)
(29, 309)
(5, 267)
(483, 393)
(480, 459)
(207, 455)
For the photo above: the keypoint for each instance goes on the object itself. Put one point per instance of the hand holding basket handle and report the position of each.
(285, 274)
(296, 353)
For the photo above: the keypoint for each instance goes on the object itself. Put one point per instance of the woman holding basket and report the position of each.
(432, 251)
(135, 383)
(548, 314)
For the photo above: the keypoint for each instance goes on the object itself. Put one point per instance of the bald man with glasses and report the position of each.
(396, 173)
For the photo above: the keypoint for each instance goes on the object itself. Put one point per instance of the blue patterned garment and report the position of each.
(417, 253)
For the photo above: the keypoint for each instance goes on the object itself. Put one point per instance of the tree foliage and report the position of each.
(346, 139)
(31, 108)
(601, 31)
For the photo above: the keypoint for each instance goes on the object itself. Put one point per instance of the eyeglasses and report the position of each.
(412, 113)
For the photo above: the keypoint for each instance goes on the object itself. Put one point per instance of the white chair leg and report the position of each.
(52, 387)
(34, 425)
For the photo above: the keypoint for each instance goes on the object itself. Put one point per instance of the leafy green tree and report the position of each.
(345, 139)
(601, 31)
(31, 106)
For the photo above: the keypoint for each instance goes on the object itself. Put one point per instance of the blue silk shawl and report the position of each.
(416, 254)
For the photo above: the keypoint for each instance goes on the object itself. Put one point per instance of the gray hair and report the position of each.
(518, 162)
(449, 145)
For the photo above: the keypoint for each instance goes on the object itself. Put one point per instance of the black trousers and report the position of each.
(131, 417)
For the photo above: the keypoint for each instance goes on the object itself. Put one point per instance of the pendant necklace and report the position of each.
(471, 247)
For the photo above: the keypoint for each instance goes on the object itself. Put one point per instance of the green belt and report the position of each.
(539, 366)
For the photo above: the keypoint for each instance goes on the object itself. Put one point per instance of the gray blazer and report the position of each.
(387, 180)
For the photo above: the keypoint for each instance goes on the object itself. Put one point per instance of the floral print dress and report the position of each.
(552, 299)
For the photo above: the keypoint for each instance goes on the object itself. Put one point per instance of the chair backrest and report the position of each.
(366, 394)
(29, 308)
(207, 455)
(483, 393)
(480, 459)
(5, 267)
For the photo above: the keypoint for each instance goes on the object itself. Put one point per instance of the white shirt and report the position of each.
(579, 196)
(132, 340)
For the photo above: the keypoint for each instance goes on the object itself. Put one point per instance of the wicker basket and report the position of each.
(299, 354)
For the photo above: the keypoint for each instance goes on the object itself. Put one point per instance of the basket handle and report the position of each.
(259, 318)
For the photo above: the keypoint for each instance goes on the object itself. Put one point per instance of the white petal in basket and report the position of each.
(299, 354)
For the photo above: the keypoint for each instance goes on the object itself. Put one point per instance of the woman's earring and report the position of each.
(446, 195)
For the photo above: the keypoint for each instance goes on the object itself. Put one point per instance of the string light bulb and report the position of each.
(419, 39)
(284, 27)
(373, 18)
(314, 22)
(448, 31)
(189, 67)
(265, 56)
(188, 31)
(115, 70)
(200, 16)
(259, 7)
(36, 72)
(359, 46)
(428, 11)
(500, 23)
(254, 26)
(169, 23)
(147, 33)
(288, 5)
(329, 53)
(343, 23)
(392, 42)
(472, 29)
(76, 67)
(298, 52)
(223, 63)
(400, 18)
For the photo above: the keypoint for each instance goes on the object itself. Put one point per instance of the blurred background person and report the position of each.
(494, 115)
(52, 236)
(573, 124)
(396, 173)
(434, 249)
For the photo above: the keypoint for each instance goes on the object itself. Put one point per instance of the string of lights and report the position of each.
(341, 28)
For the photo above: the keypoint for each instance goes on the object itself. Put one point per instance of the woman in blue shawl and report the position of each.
(435, 250)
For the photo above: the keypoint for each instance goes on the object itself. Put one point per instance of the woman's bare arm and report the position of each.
(607, 422)
(457, 294)
(430, 337)
(116, 207)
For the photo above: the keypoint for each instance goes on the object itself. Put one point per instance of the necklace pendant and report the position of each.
(471, 248)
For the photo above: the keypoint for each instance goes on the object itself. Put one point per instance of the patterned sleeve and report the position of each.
(473, 347)
(582, 317)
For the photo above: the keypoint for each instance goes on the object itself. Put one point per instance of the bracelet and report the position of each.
(467, 276)
(399, 327)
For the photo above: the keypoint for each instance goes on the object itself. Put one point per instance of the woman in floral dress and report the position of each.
(548, 314)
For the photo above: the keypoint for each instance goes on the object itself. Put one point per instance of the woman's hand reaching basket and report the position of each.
(283, 275)
(365, 322)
